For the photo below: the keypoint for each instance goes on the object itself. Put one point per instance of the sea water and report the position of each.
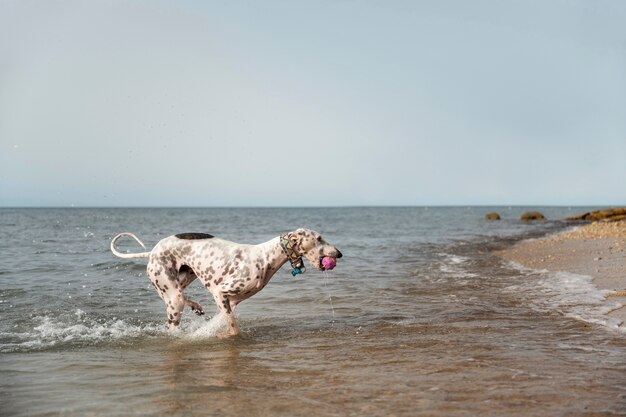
(418, 318)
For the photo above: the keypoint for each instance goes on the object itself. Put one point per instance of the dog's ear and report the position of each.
(296, 237)
(291, 237)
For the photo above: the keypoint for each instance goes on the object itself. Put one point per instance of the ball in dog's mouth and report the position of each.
(327, 263)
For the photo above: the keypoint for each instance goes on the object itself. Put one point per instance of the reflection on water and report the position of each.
(208, 374)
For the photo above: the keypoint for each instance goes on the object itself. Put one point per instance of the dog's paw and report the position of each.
(198, 310)
(195, 307)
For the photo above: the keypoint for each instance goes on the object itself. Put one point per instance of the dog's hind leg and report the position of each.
(175, 306)
(189, 277)
(166, 283)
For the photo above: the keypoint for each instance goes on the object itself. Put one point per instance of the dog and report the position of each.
(231, 272)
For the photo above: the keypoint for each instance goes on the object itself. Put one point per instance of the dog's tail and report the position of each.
(128, 255)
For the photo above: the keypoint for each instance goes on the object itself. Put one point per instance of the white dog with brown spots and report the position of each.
(232, 272)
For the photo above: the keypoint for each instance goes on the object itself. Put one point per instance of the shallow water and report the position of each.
(418, 318)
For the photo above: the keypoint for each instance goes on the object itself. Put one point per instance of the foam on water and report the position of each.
(76, 329)
(455, 265)
(572, 295)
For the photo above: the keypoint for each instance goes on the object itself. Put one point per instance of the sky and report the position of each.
(312, 103)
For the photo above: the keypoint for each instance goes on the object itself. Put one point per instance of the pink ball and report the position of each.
(328, 263)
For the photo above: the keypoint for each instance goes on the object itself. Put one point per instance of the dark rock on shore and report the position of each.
(608, 215)
(492, 216)
(532, 215)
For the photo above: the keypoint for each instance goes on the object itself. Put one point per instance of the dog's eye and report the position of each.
(319, 239)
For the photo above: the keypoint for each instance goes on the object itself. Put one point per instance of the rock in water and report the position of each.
(532, 215)
(612, 214)
(492, 216)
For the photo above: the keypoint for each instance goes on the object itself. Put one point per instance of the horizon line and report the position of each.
(506, 206)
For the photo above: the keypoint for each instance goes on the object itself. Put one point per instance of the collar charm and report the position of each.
(294, 259)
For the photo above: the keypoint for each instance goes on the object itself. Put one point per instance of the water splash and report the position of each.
(199, 328)
(75, 329)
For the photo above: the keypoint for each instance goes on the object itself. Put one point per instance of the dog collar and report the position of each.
(294, 259)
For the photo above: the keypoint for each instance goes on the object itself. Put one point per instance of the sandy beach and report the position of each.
(597, 250)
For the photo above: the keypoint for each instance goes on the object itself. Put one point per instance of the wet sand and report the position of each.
(597, 250)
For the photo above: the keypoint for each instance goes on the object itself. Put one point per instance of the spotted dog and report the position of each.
(231, 272)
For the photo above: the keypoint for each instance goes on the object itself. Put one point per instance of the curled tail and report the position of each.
(128, 255)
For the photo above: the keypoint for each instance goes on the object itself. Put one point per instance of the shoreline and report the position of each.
(596, 250)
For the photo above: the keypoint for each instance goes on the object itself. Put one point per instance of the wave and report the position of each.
(455, 265)
(572, 295)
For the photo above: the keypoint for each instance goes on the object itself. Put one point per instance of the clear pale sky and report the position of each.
(312, 103)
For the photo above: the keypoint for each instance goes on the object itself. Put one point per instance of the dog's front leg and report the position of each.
(233, 327)
(223, 302)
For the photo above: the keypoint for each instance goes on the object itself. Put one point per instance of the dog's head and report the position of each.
(311, 246)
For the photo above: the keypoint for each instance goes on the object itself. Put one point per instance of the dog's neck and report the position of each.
(294, 258)
(275, 256)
